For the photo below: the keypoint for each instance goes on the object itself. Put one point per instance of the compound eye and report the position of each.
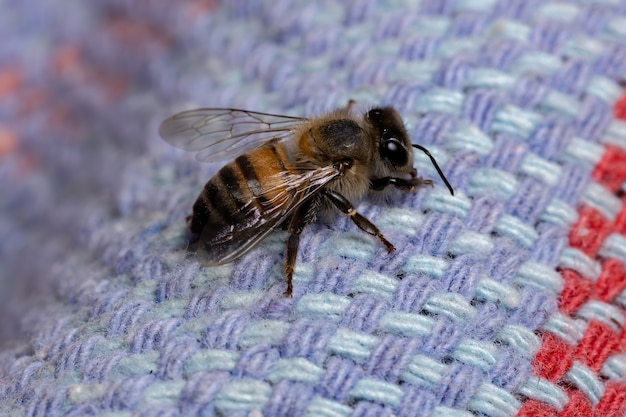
(393, 151)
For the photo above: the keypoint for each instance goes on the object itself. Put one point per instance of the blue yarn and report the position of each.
(541, 389)
(600, 311)
(493, 401)
(533, 273)
(586, 380)
(606, 203)
(614, 367)
(614, 247)
(575, 259)
(570, 330)
(492, 181)
(520, 338)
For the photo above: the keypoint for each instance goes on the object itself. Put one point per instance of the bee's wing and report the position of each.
(288, 193)
(220, 134)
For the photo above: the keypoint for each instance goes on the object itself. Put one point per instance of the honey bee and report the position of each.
(286, 170)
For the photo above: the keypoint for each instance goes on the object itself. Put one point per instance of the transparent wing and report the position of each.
(219, 134)
(261, 215)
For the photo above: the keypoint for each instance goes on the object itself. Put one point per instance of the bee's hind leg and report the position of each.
(363, 223)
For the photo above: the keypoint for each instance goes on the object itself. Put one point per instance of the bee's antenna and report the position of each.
(432, 159)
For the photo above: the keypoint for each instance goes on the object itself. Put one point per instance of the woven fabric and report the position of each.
(506, 299)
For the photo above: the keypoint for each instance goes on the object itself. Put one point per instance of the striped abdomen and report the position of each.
(241, 202)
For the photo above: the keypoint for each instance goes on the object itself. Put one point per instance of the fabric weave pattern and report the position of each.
(506, 299)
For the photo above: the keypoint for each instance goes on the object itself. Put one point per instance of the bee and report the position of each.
(285, 171)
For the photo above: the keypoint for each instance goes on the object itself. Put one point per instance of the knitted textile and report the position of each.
(506, 299)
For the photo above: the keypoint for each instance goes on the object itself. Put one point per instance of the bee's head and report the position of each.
(394, 144)
(395, 147)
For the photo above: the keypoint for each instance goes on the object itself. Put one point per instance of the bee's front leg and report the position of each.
(363, 223)
(404, 184)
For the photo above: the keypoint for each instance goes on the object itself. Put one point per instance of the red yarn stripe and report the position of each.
(576, 292)
(590, 231)
(595, 347)
(611, 171)
(601, 339)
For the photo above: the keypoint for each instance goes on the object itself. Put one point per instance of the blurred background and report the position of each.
(83, 86)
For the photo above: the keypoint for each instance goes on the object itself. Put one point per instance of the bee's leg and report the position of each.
(379, 184)
(290, 261)
(302, 216)
(363, 223)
